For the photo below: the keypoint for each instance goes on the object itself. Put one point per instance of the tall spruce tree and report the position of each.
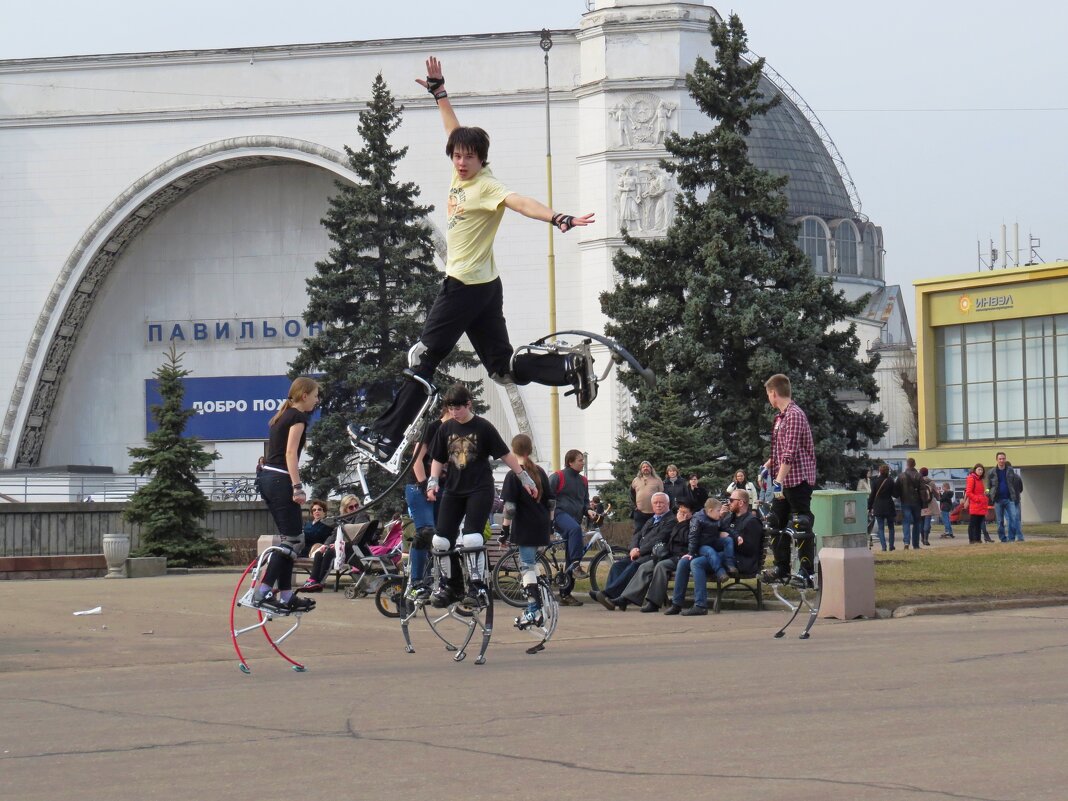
(726, 299)
(171, 507)
(371, 293)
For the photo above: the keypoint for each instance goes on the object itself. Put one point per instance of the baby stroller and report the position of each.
(384, 563)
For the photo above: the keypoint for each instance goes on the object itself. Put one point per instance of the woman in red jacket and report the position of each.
(978, 503)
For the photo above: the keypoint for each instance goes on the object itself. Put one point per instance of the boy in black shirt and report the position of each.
(468, 444)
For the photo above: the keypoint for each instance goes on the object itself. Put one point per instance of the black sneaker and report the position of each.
(475, 597)
(802, 580)
(370, 442)
(296, 603)
(775, 575)
(580, 373)
(444, 596)
(419, 591)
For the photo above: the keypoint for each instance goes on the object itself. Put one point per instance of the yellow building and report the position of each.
(992, 367)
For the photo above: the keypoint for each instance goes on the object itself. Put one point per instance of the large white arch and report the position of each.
(87, 267)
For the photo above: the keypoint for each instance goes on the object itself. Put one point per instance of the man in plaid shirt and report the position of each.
(792, 468)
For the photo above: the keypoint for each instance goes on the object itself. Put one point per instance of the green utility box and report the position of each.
(839, 513)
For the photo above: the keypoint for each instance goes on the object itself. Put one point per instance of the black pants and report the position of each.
(478, 311)
(277, 490)
(795, 501)
(473, 511)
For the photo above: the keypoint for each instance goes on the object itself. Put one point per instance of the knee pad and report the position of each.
(424, 538)
(476, 562)
(530, 579)
(440, 544)
(290, 549)
(473, 540)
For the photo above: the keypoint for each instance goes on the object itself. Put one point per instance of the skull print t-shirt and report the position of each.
(466, 449)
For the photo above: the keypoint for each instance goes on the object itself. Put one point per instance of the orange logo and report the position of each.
(964, 304)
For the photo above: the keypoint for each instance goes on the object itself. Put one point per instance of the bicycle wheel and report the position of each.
(389, 598)
(507, 579)
(600, 566)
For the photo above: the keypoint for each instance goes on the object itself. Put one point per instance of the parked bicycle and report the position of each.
(238, 489)
(596, 560)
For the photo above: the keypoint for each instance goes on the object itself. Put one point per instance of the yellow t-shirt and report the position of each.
(474, 213)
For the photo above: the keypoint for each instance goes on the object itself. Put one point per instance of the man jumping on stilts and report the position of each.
(471, 300)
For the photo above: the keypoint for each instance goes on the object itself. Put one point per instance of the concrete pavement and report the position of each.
(144, 701)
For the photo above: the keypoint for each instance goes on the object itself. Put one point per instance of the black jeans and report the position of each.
(478, 311)
(277, 490)
(795, 501)
(473, 309)
(473, 510)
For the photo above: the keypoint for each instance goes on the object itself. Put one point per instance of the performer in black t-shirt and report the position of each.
(281, 488)
(468, 444)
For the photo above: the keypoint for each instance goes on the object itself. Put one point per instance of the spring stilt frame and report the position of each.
(244, 595)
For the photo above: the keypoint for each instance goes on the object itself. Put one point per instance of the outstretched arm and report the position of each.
(529, 207)
(435, 84)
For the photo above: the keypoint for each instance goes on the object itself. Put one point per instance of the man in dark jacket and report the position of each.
(908, 490)
(572, 505)
(648, 586)
(656, 529)
(1003, 487)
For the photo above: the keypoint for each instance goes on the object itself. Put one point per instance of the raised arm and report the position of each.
(536, 210)
(435, 84)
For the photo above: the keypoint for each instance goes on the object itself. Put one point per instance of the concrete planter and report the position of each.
(116, 550)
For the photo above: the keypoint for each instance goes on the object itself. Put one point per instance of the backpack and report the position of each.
(925, 493)
(557, 478)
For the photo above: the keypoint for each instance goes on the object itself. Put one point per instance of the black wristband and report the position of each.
(298, 486)
(433, 84)
(438, 96)
(563, 219)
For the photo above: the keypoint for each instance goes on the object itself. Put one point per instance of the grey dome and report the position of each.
(784, 143)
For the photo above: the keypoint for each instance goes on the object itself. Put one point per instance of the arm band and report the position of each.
(526, 480)
(509, 510)
(432, 484)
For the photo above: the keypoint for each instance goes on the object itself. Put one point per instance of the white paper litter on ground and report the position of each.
(96, 610)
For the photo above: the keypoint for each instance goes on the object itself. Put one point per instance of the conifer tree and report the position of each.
(371, 293)
(171, 507)
(726, 299)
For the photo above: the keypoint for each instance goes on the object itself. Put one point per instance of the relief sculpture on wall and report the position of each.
(643, 198)
(642, 120)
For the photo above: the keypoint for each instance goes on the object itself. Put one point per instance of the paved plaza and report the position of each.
(145, 701)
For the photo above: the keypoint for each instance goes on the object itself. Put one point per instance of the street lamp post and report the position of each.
(546, 45)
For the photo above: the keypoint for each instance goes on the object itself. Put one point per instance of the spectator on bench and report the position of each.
(648, 586)
(316, 532)
(743, 529)
(703, 558)
(323, 555)
(656, 529)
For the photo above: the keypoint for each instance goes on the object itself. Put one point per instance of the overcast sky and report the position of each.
(951, 116)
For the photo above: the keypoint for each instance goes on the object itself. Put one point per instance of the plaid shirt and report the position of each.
(791, 443)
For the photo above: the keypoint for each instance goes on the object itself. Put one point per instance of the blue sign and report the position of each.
(227, 407)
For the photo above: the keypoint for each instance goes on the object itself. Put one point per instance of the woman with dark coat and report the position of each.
(881, 503)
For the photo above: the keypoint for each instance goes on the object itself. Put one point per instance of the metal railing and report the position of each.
(107, 488)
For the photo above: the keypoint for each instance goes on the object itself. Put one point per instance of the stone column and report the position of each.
(634, 57)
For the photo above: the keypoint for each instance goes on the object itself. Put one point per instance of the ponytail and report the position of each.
(522, 447)
(297, 390)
